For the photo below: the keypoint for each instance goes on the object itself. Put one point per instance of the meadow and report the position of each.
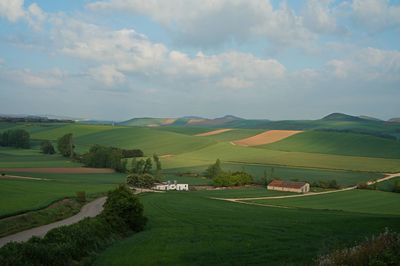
(191, 227)
(366, 201)
(340, 144)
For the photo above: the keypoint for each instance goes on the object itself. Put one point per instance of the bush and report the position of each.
(107, 157)
(132, 153)
(383, 249)
(46, 147)
(67, 245)
(227, 179)
(213, 170)
(141, 180)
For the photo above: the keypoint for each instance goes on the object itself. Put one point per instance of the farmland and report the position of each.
(191, 227)
(217, 230)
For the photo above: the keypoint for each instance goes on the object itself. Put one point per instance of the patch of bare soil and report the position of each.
(266, 137)
(214, 132)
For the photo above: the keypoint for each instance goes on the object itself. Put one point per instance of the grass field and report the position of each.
(367, 201)
(344, 178)
(10, 158)
(230, 153)
(339, 143)
(189, 227)
(148, 139)
(17, 196)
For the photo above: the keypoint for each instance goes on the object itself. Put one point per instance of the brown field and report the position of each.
(266, 137)
(168, 121)
(214, 132)
(60, 170)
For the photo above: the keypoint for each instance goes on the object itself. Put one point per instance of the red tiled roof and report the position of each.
(287, 184)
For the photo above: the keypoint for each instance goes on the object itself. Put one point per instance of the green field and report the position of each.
(235, 134)
(191, 228)
(231, 153)
(367, 201)
(17, 196)
(339, 143)
(10, 158)
(343, 178)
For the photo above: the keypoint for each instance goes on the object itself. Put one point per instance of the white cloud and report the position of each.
(107, 74)
(367, 64)
(12, 9)
(31, 79)
(319, 16)
(213, 22)
(376, 14)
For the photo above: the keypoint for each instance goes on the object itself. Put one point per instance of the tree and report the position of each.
(227, 179)
(66, 146)
(139, 166)
(46, 147)
(141, 180)
(148, 165)
(17, 138)
(213, 170)
(157, 161)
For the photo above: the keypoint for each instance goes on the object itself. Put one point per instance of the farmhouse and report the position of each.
(171, 186)
(290, 186)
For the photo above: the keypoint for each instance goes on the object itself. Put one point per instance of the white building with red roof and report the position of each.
(289, 186)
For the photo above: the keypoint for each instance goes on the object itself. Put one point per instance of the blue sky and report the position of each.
(115, 59)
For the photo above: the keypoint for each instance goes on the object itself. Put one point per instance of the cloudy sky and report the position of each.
(117, 59)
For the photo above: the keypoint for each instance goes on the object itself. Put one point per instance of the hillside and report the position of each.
(339, 143)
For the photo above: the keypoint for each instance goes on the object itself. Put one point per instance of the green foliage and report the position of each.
(132, 153)
(67, 245)
(227, 179)
(157, 161)
(148, 165)
(123, 205)
(105, 157)
(18, 138)
(65, 145)
(141, 180)
(383, 249)
(213, 170)
(325, 184)
(47, 147)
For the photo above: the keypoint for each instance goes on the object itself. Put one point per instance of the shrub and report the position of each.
(213, 170)
(383, 249)
(66, 245)
(141, 180)
(227, 179)
(132, 153)
(46, 147)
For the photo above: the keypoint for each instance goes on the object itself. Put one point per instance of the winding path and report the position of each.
(242, 200)
(91, 209)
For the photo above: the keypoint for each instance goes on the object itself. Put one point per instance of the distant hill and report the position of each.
(394, 120)
(148, 122)
(342, 117)
(369, 118)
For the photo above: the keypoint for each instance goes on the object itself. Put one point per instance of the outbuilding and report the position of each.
(289, 186)
(171, 186)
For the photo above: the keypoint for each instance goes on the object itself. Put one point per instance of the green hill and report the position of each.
(148, 139)
(339, 143)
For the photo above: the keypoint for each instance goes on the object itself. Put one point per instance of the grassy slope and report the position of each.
(76, 129)
(367, 201)
(185, 130)
(10, 158)
(148, 139)
(230, 153)
(339, 143)
(21, 195)
(190, 228)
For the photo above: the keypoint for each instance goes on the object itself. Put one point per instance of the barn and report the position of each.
(290, 186)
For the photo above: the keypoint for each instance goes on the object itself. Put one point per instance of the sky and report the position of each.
(118, 59)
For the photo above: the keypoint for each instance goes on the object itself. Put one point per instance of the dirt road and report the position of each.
(91, 209)
(241, 200)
